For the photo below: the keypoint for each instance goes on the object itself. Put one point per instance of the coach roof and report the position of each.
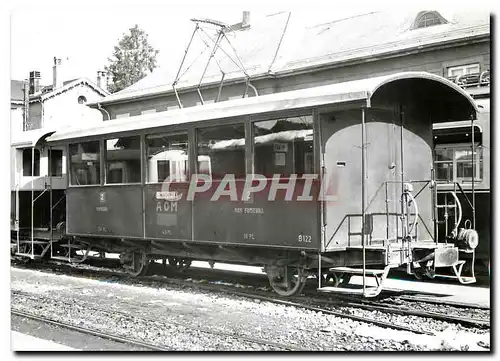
(358, 90)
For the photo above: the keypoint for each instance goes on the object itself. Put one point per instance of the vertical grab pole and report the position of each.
(473, 175)
(363, 195)
(319, 270)
(32, 198)
(17, 216)
(50, 197)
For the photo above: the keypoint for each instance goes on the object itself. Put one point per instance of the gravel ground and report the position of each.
(475, 313)
(67, 337)
(184, 319)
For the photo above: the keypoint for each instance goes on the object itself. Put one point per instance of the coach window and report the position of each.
(27, 166)
(123, 160)
(167, 156)
(284, 146)
(455, 163)
(56, 160)
(85, 163)
(221, 151)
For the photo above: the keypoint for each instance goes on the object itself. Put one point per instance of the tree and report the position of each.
(131, 61)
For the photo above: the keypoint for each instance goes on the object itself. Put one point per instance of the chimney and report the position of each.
(102, 80)
(34, 82)
(57, 76)
(26, 88)
(245, 22)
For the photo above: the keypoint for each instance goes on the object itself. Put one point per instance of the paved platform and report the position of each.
(22, 342)
(469, 294)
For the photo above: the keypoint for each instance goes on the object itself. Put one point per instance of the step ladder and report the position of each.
(457, 270)
(456, 209)
(70, 247)
(367, 291)
(43, 247)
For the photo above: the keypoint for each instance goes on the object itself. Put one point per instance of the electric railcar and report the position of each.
(331, 181)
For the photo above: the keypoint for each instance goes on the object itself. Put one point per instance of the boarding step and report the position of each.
(73, 246)
(34, 242)
(36, 256)
(465, 280)
(357, 271)
(462, 279)
(78, 259)
(368, 292)
(372, 247)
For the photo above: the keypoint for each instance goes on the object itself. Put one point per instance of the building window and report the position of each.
(425, 19)
(82, 100)
(56, 161)
(85, 163)
(284, 146)
(221, 151)
(124, 115)
(167, 155)
(453, 163)
(28, 166)
(456, 71)
(123, 160)
(149, 111)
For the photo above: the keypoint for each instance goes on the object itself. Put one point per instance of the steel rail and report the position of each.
(458, 304)
(170, 322)
(343, 301)
(89, 331)
(336, 313)
(369, 305)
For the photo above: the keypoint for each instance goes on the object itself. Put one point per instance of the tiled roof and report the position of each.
(267, 48)
(48, 88)
(346, 92)
(17, 93)
(47, 91)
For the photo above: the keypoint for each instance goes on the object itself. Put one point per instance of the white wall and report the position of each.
(16, 120)
(64, 110)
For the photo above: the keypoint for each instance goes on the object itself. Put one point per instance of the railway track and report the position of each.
(88, 331)
(325, 304)
(388, 308)
(114, 312)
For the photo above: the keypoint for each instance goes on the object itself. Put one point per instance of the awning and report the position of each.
(364, 90)
(31, 138)
(457, 133)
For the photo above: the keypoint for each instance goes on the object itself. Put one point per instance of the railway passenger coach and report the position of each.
(329, 182)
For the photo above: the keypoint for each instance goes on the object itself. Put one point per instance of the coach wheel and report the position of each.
(333, 279)
(330, 279)
(287, 281)
(345, 278)
(180, 263)
(138, 265)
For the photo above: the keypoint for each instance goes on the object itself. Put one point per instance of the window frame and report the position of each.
(69, 163)
(167, 134)
(478, 161)
(422, 15)
(464, 68)
(83, 99)
(32, 169)
(50, 159)
(281, 115)
(104, 150)
(218, 124)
